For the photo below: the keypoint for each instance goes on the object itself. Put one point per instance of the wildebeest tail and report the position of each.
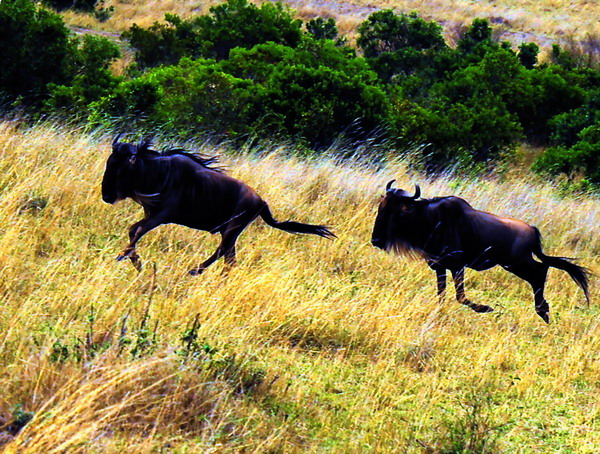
(578, 273)
(295, 227)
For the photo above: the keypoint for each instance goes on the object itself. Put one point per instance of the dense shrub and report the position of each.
(386, 31)
(320, 28)
(314, 92)
(400, 45)
(576, 139)
(163, 44)
(92, 80)
(60, 5)
(41, 60)
(27, 65)
(580, 160)
(235, 23)
(528, 54)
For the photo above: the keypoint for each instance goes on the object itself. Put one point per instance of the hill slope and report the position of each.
(542, 22)
(308, 345)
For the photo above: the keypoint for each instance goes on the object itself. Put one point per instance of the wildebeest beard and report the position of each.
(402, 247)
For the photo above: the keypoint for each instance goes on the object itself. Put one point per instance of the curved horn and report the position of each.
(417, 192)
(116, 139)
(389, 185)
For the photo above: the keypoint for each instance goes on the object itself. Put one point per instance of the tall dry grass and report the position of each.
(307, 345)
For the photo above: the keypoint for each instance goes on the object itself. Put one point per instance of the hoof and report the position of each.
(482, 308)
(542, 310)
(121, 257)
(196, 272)
(544, 316)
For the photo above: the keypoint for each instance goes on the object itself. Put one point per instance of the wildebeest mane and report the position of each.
(209, 162)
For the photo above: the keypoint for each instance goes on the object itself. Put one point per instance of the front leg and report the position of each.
(441, 283)
(129, 252)
(136, 231)
(459, 285)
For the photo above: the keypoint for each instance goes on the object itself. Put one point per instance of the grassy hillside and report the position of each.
(307, 345)
(542, 22)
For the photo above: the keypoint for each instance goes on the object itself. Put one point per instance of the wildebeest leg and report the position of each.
(226, 249)
(441, 282)
(136, 231)
(459, 285)
(131, 253)
(535, 273)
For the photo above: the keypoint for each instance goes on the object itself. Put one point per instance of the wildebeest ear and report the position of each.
(145, 144)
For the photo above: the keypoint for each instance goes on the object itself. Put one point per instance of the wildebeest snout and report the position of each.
(378, 243)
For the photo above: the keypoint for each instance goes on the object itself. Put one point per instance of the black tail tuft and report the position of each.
(579, 274)
(295, 227)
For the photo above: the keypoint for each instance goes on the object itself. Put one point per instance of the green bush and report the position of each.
(61, 5)
(476, 40)
(466, 118)
(386, 31)
(528, 54)
(318, 104)
(92, 80)
(64, 72)
(320, 28)
(567, 126)
(235, 23)
(314, 92)
(163, 44)
(35, 50)
(581, 160)
(398, 45)
(193, 96)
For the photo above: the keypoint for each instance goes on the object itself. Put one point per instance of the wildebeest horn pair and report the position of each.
(144, 144)
(401, 192)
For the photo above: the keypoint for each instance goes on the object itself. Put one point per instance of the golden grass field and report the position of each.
(543, 22)
(307, 345)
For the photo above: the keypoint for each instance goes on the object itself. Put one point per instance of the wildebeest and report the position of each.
(174, 186)
(451, 235)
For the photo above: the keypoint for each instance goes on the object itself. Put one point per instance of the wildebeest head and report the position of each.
(117, 181)
(395, 212)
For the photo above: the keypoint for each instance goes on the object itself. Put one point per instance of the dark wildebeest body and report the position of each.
(181, 188)
(451, 235)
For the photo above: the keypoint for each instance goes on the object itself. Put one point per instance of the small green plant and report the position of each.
(243, 375)
(472, 429)
(20, 418)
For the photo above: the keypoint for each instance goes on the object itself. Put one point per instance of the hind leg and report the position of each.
(459, 285)
(226, 249)
(440, 274)
(535, 274)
